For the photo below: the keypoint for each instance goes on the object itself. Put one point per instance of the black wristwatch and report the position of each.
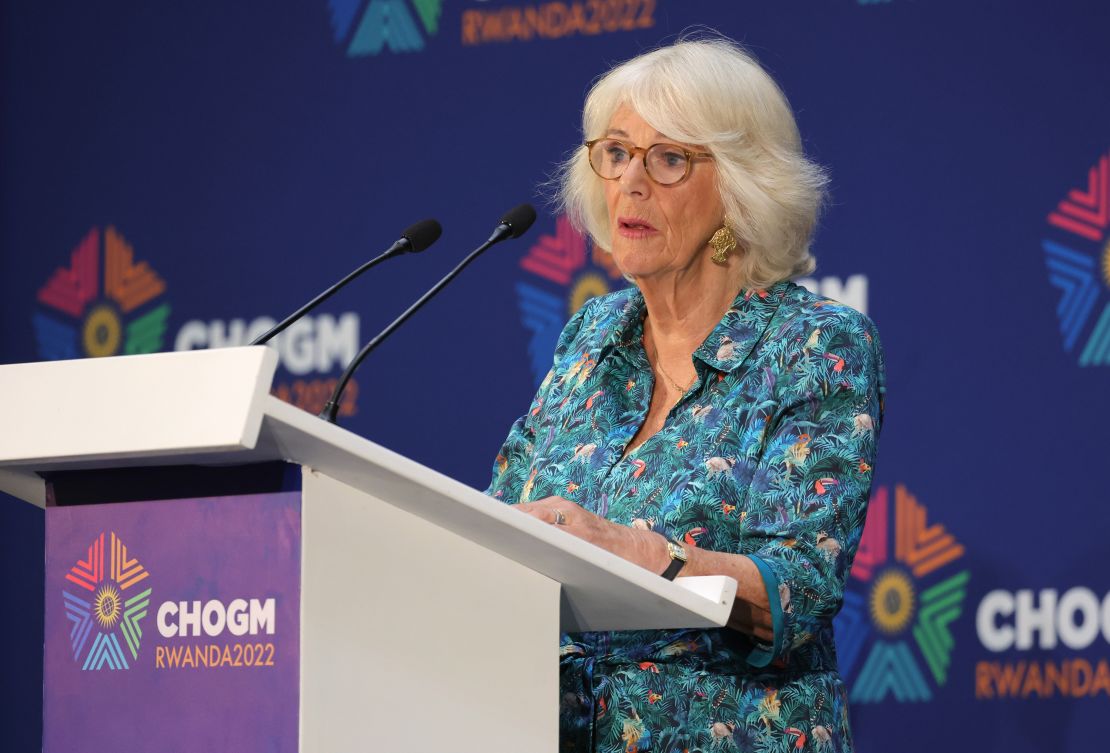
(678, 559)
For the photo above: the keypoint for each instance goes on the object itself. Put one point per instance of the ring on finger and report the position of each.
(560, 519)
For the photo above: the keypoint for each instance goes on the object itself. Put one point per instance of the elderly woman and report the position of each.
(714, 419)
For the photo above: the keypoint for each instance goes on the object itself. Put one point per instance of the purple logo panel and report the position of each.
(173, 625)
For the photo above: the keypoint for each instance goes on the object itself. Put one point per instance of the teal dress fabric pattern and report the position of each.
(769, 454)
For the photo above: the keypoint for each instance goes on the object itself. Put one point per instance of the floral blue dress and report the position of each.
(769, 454)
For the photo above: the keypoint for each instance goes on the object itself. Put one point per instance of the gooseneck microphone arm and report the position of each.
(416, 238)
(514, 224)
(280, 327)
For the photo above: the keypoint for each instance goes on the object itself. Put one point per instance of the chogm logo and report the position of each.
(565, 271)
(107, 611)
(101, 310)
(899, 628)
(383, 24)
(1008, 621)
(1077, 254)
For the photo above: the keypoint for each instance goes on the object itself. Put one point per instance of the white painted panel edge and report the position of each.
(151, 405)
(716, 588)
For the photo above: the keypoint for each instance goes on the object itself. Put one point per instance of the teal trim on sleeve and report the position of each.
(760, 656)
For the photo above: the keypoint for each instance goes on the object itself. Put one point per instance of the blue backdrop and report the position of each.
(175, 176)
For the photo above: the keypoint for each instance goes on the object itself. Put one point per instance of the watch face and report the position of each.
(676, 552)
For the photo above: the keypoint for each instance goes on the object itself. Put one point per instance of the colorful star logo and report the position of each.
(911, 599)
(565, 270)
(1077, 244)
(106, 608)
(82, 317)
(383, 24)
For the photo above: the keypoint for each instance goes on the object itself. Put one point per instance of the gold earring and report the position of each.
(723, 241)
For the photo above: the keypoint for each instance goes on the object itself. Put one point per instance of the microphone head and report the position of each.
(422, 234)
(519, 219)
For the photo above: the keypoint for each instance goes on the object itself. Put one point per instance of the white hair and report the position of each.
(712, 93)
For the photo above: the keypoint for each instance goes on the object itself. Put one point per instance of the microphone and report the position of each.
(513, 224)
(416, 238)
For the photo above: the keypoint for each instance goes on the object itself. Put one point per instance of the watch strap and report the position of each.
(678, 560)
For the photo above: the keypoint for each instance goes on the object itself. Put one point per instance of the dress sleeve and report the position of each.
(810, 487)
(514, 459)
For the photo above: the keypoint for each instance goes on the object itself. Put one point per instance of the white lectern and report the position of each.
(428, 611)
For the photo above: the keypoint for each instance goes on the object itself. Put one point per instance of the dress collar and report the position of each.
(730, 342)
(726, 347)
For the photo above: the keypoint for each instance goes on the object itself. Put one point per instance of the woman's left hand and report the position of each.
(572, 518)
(751, 612)
(645, 548)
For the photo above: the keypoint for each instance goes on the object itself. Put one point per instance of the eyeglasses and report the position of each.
(666, 164)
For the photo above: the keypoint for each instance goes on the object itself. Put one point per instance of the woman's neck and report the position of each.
(681, 314)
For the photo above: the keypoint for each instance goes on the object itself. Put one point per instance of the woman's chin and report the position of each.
(637, 262)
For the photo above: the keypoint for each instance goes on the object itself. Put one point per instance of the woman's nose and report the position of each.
(634, 179)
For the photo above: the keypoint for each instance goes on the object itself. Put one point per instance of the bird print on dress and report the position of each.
(769, 454)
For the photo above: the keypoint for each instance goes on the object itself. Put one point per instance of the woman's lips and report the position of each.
(634, 227)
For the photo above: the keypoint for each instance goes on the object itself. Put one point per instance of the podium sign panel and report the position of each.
(173, 625)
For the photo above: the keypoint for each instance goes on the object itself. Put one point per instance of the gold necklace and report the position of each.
(668, 377)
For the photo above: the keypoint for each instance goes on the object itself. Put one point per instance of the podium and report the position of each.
(361, 602)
